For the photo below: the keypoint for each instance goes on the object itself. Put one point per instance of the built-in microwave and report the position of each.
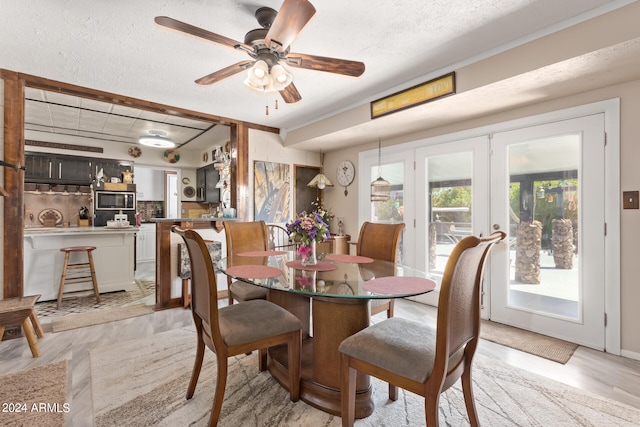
(115, 200)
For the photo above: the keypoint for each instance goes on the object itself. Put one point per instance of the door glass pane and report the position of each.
(448, 195)
(391, 211)
(544, 222)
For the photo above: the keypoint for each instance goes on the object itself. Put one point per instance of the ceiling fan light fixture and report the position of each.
(281, 77)
(263, 79)
(258, 74)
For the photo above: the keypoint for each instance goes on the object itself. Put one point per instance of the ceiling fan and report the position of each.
(269, 48)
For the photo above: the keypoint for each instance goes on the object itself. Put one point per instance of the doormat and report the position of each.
(530, 342)
(96, 317)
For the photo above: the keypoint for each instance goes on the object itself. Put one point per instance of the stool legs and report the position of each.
(93, 277)
(63, 277)
(31, 338)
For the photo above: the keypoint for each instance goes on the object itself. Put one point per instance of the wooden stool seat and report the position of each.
(84, 271)
(19, 311)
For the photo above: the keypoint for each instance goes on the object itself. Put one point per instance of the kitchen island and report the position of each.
(113, 258)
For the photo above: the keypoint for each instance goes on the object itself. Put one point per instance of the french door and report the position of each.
(544, 185)
(452, 202)
(547, 193)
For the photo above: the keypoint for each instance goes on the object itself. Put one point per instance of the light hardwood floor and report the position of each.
(611, 376)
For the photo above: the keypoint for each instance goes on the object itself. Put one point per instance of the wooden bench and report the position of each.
(18, 311)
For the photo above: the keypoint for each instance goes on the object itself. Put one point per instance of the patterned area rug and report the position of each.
(35, 397)
(84, 304)
(540, 345)
(143, 382)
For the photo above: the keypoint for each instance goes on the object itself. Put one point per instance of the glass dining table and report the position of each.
(331, 299)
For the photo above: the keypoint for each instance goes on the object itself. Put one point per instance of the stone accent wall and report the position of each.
(528, 245)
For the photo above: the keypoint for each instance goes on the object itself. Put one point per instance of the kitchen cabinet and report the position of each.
(206, 179)
(52, 168)
(111, 168)
(149, 184)
(146, 243)
(57, 168)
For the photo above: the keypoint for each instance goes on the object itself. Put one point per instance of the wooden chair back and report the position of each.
(278, 238)
(458, 321)
(379, 241)
(245, 236)
(204, 285)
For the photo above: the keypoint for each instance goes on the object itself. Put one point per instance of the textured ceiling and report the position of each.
(117, 47)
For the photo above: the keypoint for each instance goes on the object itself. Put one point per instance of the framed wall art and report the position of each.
(271, 192)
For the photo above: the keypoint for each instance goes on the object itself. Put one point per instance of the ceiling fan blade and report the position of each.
(290, 20)
(290, 94)
(183, 27)
(222, 74)
(329, 65)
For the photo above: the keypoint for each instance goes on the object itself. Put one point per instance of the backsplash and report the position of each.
(67, 205)
(149, 209)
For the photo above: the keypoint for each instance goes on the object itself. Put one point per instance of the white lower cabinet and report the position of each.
(146, 243)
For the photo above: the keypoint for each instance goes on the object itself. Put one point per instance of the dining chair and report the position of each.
(414, 355)
(245, 236)
(278, 237)
(235, 329)
(380, 242)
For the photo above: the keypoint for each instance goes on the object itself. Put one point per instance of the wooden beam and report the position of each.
(240, 171)
(13, 244)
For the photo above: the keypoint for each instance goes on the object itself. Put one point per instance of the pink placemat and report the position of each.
(399, 285)
(358, 259)
(320, 266)
(261, 253)
(253, 271)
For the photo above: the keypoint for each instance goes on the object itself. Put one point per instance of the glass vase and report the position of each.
(308, 255)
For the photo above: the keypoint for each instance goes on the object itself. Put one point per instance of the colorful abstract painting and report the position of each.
(271, 192)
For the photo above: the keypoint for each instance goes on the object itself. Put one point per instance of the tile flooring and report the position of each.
(611, 376)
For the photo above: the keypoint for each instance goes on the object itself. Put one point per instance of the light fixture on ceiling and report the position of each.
(264, 78)
(380, 188)
(320, 180)
(156, 138)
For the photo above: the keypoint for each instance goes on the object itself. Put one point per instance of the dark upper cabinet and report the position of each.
(57, 168)
(111, 168)
(206, 179)
(64, 169)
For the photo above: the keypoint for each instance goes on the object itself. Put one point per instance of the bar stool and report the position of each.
(85, 271)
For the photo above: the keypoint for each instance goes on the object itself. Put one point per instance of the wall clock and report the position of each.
(345, 174)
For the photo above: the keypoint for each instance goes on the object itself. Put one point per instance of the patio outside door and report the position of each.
(547, 193)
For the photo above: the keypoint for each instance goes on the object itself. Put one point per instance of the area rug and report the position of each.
(97, 317)
(540, 345)
(35, 397)
(143, 382)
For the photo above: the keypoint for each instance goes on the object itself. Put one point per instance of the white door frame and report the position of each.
(588, 327)
(611, 110)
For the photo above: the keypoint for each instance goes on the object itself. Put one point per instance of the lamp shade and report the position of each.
(280, 77)
(320, 181)
(258, 75)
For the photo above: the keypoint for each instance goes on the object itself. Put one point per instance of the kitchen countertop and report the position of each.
(154, 220)
(46, 231)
